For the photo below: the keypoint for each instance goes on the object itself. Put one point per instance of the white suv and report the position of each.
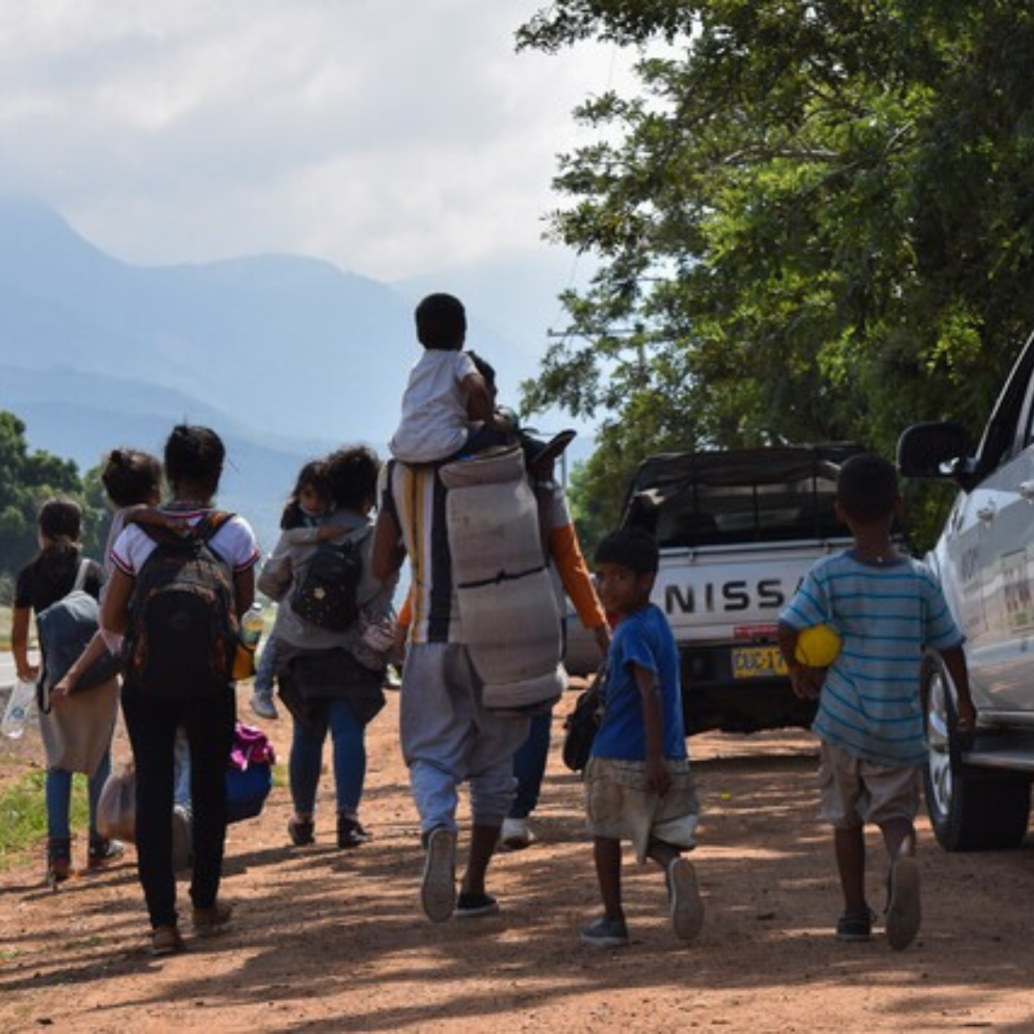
(978, 790)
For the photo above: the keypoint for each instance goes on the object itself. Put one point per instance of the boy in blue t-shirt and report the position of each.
(887, 608)
(638, 782)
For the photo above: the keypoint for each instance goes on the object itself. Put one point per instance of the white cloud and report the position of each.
(392, 137)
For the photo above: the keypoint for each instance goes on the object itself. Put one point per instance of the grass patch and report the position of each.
(23, 814)
(5, 629)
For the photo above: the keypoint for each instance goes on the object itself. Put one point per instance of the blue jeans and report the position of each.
(529, 766)
(266, 671)
(181, 778)
(348, 735)
(59, 800)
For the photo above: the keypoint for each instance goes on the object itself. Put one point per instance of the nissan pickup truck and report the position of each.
(978, 787)
(737, 530)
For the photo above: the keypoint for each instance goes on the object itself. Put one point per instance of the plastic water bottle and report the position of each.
(16, 716)
(251, 626)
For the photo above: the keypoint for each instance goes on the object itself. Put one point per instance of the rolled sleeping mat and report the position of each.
(493, 532)
(504, 463)
(512, 628)
(526, 698)
(507, 604)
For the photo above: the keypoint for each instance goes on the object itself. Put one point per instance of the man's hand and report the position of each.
(658, 778)
(29, 673)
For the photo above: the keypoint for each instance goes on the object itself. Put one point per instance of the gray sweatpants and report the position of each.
(448, 737)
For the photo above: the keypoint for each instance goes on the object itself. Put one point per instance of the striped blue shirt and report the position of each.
(885, 614)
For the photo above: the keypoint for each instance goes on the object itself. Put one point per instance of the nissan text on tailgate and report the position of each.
(737, 531)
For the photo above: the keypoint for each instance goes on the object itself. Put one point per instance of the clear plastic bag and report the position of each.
(20, 707)
(116, 808)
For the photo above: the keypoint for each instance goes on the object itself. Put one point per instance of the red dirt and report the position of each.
(333, 940)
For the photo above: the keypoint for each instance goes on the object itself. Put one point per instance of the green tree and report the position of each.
(815, 221)
(26, 479)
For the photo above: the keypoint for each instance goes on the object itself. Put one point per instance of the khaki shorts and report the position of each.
(855, 791)
(622, 808)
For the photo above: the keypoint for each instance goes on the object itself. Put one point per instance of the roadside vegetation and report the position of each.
(812, 221)
(23, 815)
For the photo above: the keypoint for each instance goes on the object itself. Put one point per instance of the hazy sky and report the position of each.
(392, 137)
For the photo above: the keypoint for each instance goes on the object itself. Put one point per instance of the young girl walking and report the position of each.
(52, 575)
(307, 506)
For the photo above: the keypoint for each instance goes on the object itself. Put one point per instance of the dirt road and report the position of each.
(334, 940)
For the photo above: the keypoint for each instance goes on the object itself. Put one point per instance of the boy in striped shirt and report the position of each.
(887, 608)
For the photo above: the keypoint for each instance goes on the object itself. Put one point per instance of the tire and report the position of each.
(970, 808)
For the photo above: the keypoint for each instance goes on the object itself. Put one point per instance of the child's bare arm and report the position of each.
(20, 644)
(658, 778)
(95, 649)
(955, 662)
(302, 536)
(806, 682)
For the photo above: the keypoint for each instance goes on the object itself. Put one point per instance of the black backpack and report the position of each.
(582, 724)
(327, 595)
(182, 631)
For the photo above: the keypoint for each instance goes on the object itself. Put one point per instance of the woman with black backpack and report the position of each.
(183, 575)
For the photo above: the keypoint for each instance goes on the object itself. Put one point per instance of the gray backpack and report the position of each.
(65, 629)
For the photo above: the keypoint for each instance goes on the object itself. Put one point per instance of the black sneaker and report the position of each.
(103, 851)
(350, 832)
(301, 831)
(853, 926)
(470, 905)
(606, 933)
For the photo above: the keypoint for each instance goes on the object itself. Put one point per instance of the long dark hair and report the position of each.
(314, 474)
(60, 523)
(352, 474)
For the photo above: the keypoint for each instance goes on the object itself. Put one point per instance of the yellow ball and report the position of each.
(818, 646)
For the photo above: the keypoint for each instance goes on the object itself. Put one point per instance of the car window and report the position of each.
(704, 515)
(1010, 429)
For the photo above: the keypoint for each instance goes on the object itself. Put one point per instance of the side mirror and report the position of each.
(937, 450)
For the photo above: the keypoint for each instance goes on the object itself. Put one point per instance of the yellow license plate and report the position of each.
(754, 662)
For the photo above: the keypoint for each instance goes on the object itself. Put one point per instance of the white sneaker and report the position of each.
(516, 834)
(182, 836)
(263, 706)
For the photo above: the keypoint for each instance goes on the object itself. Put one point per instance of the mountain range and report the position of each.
(286, 356)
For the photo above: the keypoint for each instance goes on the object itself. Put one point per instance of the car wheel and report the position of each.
(971, 808)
